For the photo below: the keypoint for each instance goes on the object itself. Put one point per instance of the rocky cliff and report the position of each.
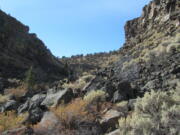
(150, 57)
(160, 16)
(20, 50)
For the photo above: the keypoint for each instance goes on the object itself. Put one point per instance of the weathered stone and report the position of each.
(131, 104)
(24, 107)
(110, 119)
(116, 132)
(36, 100)
(124, 92)
(32, 103)
(34, 116)
(48, 125)
(49, 121)
(150, 85)
(10, 105)
(88, 128)
(53, 97)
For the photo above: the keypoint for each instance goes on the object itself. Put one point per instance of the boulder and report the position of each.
(24, 107)
(34, 116)
(34, 108)
(118, 97)
(48, 124)
(131, 104)
(36, 100)
(32, 103)
(122, 107)
(28, 94)
(96, 83)
(9, 106)
(116, 132)
(124, 92)
(89, 128)
(110, 119)
(150, 85)
(54, 97)
(49, 121)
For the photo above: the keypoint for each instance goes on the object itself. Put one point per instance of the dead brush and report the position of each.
(73, 112)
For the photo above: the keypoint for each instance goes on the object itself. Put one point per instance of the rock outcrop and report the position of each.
(54, 97)
(159, 15)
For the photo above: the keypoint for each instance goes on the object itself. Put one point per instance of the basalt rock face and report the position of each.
(159, 16)
(150, 57)
(20, 50)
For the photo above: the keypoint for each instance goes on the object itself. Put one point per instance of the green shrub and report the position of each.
(157, 113)
(30, 78)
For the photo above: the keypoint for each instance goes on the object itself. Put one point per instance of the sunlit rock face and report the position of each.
(159, 15)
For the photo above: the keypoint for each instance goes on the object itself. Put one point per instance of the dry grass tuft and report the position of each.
(18, 91)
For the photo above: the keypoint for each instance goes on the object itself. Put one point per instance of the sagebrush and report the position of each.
(157, 113)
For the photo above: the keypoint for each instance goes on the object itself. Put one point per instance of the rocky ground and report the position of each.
(95, 97)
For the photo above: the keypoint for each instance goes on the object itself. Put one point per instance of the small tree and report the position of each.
(30, 78)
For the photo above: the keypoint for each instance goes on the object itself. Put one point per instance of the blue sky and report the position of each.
(70, 27)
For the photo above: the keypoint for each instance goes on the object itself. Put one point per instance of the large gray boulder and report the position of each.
(36, 100)
(48, 124)
(124, 92)
(9, 106)
(32, 103)
(54, 97)
(34, 108)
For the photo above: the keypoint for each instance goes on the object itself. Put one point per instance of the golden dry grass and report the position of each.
(10, 120)
(74, 111)
(18, 91)
(80, 109)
